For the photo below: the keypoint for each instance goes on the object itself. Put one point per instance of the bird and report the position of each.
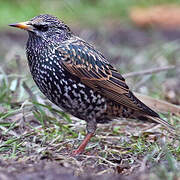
(78, 78)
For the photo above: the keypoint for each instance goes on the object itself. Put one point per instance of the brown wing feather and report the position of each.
(95, 71)
(116, 90)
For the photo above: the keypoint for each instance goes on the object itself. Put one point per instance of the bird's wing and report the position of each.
(82, 60)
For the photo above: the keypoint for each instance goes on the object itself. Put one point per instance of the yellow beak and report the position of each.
(23, 25)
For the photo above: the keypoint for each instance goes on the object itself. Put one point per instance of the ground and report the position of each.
(37, 138)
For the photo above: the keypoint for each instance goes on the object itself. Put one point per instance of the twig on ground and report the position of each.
(99, 157)
(28, 90)
(149, 71)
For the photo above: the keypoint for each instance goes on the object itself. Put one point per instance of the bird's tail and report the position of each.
(158, 120)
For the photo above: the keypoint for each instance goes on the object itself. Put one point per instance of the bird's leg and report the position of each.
(81, 148)
(91, 128)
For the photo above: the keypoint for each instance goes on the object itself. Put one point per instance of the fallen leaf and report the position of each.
(171, 89)
(165, 16)
(159, 105)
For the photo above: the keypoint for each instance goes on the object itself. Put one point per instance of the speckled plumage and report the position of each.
(76, 77)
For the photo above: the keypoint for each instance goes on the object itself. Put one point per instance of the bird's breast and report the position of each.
(63, 88)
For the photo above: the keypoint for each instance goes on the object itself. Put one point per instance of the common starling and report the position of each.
(75, 76)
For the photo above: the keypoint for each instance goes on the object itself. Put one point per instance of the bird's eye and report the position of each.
(41, 27)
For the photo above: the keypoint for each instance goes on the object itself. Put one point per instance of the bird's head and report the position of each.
(46, 27)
